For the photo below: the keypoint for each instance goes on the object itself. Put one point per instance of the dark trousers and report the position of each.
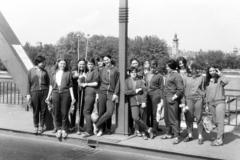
(195, 111)
(80, 108)
(136, 112)
(153, 100)
(87, 111)
(39, 107)
(106, 108)
(61, 103)
(172, 116)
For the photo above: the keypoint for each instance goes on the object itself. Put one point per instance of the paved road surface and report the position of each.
(22, 147)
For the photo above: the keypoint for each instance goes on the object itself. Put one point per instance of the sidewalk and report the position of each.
(15, 118)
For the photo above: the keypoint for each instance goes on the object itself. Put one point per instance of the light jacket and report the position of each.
(215, 93)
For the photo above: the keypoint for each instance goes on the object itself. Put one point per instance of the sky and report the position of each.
(199, 24)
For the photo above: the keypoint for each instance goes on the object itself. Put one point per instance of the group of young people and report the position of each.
(94, 84)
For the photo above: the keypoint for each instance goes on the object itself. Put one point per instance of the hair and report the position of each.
(194, 65)
(61, 59)
(134, 59)
(108, 56)
(98, 59)
(91, 60)
(131, 69)
(154, 63)
(39, 59)
(184, 61)
(208, 76)
(172, 64)
(81, 59)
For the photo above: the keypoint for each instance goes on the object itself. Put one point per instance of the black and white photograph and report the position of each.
(119, 79)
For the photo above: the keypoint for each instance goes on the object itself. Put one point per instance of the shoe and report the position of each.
(217, 142)
(41, 130)
(54, 130)
(144, 136)
(176, 140)
(188, 139)
(95, 129)
(100, 133)
(150, 132)
(200, 141)
(167, 136)
(108, 132)
(59, 134)
(138, 133)
(86, 134)
(35, 131)
(72, 129)
(64, 134)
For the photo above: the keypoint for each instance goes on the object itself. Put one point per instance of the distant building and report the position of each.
(236, 51)
(176, 52)
(175, 45)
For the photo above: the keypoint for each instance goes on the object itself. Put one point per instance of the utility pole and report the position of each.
(122, 111)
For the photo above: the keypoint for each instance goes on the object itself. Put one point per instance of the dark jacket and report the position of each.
(130, 91)
(109, 80)
(66, 82)
(92, 76)
(174, 85)
(37, 82)
(155, 84)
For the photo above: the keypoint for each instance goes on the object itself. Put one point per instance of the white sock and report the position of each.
(189, 134)
(200, 136)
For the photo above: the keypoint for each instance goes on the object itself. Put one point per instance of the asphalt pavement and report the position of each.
(14, 119)
(18, 147)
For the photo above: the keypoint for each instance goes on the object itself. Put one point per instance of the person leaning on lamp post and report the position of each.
(173, 92)
(62, 95)
(215, 100)
(108, 94)
(192, 101)
(136, 94)
(37, 90)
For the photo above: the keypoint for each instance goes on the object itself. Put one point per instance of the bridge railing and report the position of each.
(9, 93)
(232, 106)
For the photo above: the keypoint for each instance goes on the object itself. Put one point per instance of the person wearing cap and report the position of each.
(37, 90)
(62, 96)
(173, 92)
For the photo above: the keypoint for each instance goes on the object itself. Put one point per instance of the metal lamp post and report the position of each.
(78, 45)
(86, 53)
(122, 111)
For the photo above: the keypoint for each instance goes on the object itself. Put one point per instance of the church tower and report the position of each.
(175, 46)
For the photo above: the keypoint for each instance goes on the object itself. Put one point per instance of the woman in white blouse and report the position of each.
(62, 96)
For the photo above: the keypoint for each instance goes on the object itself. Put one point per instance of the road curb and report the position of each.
(98, 144)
